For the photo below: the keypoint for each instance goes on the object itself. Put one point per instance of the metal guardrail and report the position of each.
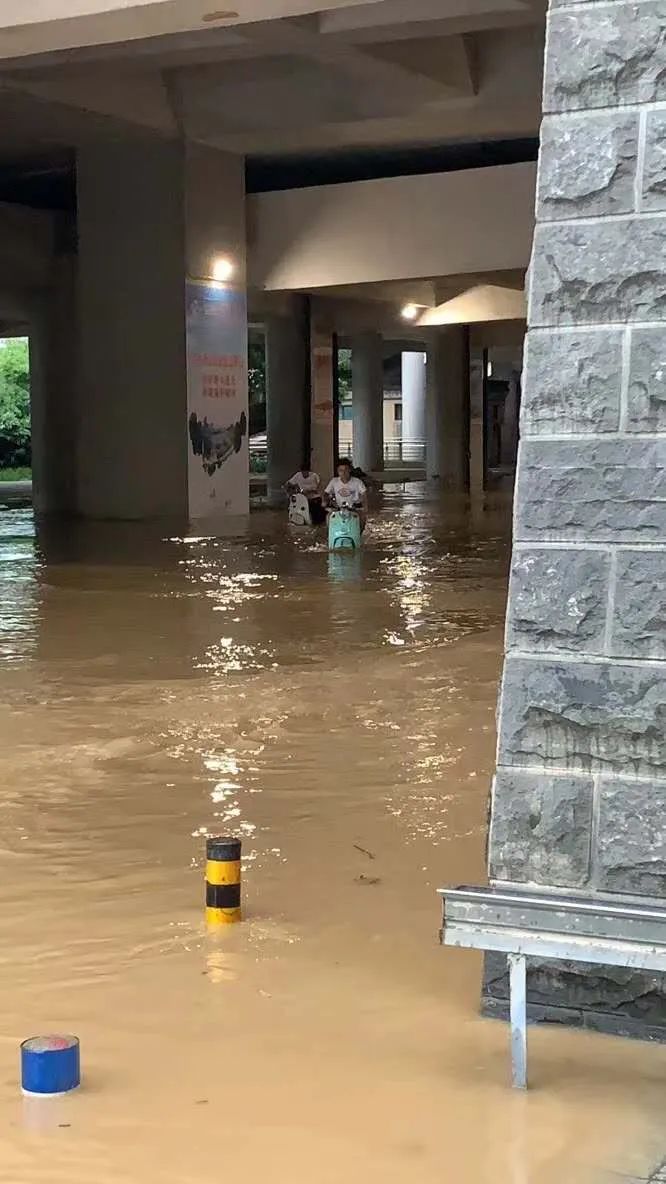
(400, 451)
(408, 452)
(613, 932)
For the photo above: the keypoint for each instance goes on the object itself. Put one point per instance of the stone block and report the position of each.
(572, 382)
(653, 187)
(606, 56)
(647, 381)
(631, 849)
(598, 490)
(578, 994)
(586, 717)
(540, 828)
(598, 273)
(587, 166)
(558, 599)
(639, 618)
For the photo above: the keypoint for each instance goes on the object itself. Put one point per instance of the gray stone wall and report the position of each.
(579, 799)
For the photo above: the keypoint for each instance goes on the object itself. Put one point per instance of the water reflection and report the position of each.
(339, 717)
(19, 571)
(345, 567)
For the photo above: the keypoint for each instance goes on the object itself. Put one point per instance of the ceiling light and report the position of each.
(410, 312)
(222, 270)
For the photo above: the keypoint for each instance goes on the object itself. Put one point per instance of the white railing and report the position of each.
(407, 452)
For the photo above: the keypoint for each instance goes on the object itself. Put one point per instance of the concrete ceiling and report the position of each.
(377, 74)
(479, 303)
(43, 26)
(483, 297)
(424, 293)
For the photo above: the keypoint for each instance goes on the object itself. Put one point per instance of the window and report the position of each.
(345, 410)
(397, 412)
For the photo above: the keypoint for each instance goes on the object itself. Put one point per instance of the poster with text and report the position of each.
(217, 402)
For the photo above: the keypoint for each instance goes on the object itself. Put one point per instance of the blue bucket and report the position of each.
(50, 1066)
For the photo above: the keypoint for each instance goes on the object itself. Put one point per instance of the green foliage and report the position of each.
(14, 403)
(256, 358)
(256, 379)
(22, 474)
(258, 462)
(344, 375)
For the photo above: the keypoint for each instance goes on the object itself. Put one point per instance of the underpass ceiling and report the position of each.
(385, 73)
(424, 293)
(33, 26)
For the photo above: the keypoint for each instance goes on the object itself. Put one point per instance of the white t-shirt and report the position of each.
(346, 495)
(309, 484)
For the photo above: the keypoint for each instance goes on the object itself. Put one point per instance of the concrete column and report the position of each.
(447, 408)
(321, 407)
(413, 387)
(477, 426)
(579, 798)
(510, 422)
(368, 401)
(53, 391)
(214, 209)
(150, 212)
(435, 437)
(286, 359)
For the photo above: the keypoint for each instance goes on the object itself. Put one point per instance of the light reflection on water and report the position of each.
(281, 642)
(247, 619)
(336, 712)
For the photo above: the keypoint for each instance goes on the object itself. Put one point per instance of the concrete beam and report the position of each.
(295, 38)
(330, 235)
(37, 26)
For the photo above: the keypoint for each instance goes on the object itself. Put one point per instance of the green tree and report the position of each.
(256, 375)
(14, 403)
(344, 375)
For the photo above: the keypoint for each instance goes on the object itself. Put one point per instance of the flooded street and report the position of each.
(337, 713)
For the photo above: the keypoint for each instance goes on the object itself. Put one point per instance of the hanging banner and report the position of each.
(217, 401)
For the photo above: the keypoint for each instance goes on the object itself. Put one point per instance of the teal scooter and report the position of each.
(344, 529)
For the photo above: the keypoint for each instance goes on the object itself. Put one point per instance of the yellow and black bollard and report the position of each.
(223, 881)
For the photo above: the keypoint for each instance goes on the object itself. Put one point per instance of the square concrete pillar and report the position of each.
(368, 401)
(153, 216)
(322, 401)
(54, 390)
(448, 408)
(287, 386)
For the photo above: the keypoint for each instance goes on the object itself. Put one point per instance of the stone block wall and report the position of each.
(579, 799)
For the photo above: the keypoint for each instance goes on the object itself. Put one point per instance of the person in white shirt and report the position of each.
(345, 490)
(308, 483)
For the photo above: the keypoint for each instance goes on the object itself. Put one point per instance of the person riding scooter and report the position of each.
(308, 483)
(347, 491)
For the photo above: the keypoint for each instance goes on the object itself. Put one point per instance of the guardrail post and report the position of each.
(518, 1009)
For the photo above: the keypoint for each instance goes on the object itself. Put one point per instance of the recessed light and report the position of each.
(222, 269)
(225, 14)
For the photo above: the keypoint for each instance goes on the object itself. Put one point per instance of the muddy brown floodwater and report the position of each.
(338, 714)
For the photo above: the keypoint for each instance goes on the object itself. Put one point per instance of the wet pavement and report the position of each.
(336, 712)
